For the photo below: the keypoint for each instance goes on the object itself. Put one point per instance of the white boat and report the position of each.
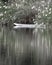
(28, 25)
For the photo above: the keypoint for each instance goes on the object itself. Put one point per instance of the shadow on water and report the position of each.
(25, 47)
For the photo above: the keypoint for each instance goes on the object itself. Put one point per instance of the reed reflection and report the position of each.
(25, 47)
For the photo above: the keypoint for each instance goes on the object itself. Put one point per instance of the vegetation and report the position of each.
(16, 10)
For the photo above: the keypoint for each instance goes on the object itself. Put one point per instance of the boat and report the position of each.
(17, 25)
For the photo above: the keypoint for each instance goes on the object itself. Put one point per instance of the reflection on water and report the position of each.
(25, 47)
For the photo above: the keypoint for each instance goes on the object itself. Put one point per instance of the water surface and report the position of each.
(25, 46)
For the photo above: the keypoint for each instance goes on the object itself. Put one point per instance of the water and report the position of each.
(25, 46)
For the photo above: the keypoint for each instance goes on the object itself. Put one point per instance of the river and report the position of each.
(25, 46)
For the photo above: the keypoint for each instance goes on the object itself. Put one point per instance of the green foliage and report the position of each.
(46, 14)
(6, 12)
(21, 8)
